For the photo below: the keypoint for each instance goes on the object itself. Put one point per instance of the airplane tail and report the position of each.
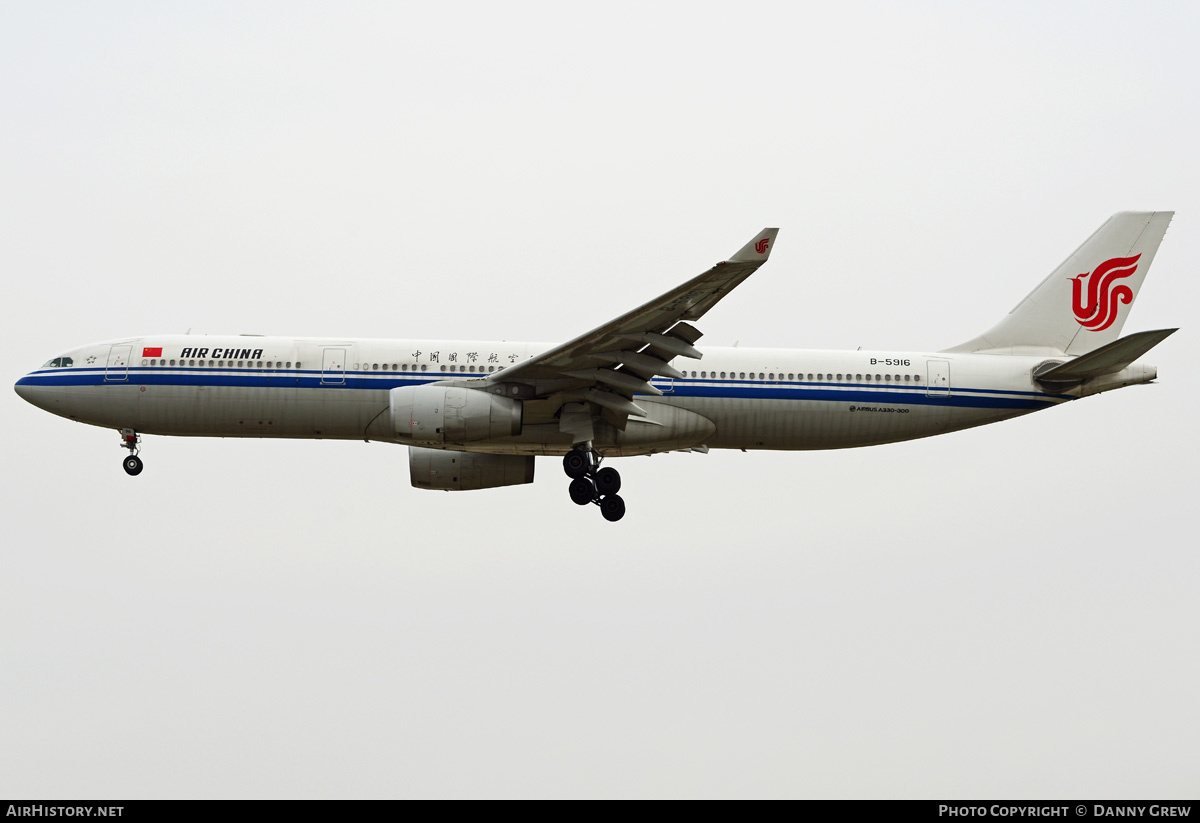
(1084, 302)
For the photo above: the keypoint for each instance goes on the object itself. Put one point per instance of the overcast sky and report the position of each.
(1009, 611)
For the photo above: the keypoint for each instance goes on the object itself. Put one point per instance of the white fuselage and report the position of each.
(249, 386)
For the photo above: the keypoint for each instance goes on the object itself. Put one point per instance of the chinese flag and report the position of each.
(147, 352)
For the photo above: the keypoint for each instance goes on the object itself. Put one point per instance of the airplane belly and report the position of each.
(225, 411)
(260, 412)
(820, 424)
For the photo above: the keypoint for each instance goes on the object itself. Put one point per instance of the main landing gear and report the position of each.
(130, 440)
(592, 484)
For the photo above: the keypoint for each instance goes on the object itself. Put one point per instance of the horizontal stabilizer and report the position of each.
(1107, 359)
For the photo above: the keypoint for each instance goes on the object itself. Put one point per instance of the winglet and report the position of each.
(758, 249)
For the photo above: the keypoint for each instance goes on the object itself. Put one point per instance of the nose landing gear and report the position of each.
(592, 484)
(130, 440)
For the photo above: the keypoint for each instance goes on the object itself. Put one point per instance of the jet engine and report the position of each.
(448, 414)
(462, 471)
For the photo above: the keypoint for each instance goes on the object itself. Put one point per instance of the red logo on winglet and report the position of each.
(1100, 310)
(152, 352)
(761, 245)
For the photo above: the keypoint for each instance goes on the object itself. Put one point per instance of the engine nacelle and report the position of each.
(448, 414)
(462, 471)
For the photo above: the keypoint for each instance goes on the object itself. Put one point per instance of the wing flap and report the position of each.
(667, 344)
(617, 379)
(644, 364)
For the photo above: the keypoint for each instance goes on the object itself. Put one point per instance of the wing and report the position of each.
(607, 366)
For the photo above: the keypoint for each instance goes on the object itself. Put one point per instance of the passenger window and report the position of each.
(172, 362)
(839, 377)
(424, 366)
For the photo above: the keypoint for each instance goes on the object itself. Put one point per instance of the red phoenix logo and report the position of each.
(1100, 310)
(761, 245)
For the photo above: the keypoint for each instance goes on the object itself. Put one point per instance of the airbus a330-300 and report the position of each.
(474, 413)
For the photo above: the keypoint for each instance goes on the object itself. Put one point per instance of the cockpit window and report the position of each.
(59, 363)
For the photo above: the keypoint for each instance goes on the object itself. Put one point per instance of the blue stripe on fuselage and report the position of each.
(730, 389)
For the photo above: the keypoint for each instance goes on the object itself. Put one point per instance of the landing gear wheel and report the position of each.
(612, 507)
(133, 465)
(583, 491)
(608, 481)
(576, 463)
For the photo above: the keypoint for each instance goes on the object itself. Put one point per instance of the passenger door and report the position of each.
(117, 370)
(939, 379)
(333, 368)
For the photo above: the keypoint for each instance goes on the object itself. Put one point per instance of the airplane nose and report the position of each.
(22, 388)
(27, 391)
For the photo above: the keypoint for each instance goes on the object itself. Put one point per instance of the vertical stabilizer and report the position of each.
(1084, 302)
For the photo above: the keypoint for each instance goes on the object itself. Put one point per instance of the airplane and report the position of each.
(474, 414)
